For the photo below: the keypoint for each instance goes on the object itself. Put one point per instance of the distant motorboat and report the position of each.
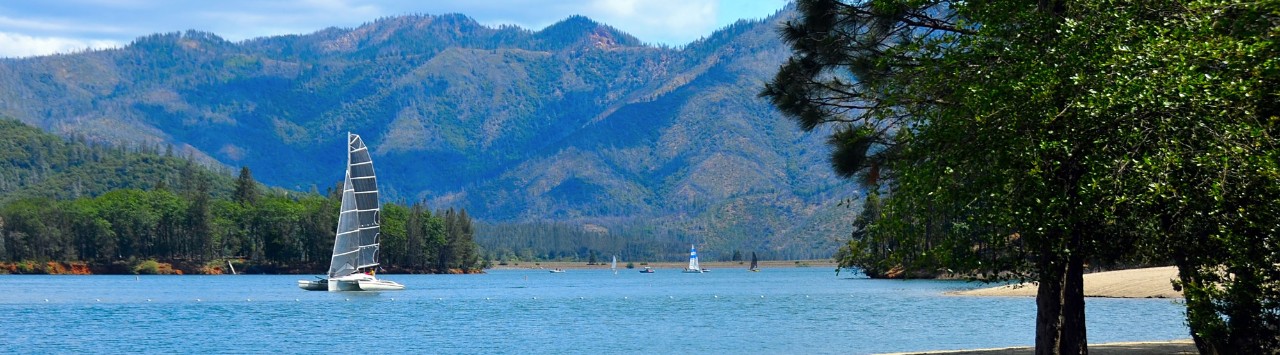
(646, 270)
(556, 270)
(693, 262)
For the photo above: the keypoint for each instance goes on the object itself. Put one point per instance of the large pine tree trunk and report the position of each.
(1060, 328)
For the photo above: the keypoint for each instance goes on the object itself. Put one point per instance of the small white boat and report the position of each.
(557, 270)
(614, 266)
(355, 246)
(693, 262)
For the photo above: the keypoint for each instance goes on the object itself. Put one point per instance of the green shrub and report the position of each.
(147, 267)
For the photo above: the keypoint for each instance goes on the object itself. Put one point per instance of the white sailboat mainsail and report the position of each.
(693, 260)
(356, 244)
(614, 265)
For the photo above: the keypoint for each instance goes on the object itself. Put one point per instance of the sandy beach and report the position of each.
(1185, 346)
(1134, 283)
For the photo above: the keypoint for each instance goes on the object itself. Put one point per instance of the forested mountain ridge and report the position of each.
(577, 122)
(35, 164)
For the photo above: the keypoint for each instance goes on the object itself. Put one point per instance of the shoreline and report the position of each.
(679, 265)
(1153, 282)
(174, 267)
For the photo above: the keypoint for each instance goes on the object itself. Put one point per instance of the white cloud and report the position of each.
(668, 21)
(47, 25)
(17, 45)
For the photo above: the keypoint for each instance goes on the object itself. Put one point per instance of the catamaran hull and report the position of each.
(379, 285)
(363, 282)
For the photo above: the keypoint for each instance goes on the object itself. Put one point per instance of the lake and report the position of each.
(775, 311)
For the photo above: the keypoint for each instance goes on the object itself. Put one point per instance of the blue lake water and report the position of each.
(776, 311)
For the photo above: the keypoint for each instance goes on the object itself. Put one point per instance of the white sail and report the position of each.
(614, 266)
(356, 244)
(693, 260)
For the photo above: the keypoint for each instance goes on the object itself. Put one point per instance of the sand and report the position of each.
(1185, 346)
(1135, 283)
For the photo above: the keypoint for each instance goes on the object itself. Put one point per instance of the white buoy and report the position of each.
(148, 300)
(296, 300)
(197, 300)
(348, 299)
(97, 299)
(46, 300)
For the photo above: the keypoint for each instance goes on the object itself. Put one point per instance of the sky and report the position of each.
(32, 28)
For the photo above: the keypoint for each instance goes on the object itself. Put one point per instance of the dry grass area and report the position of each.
(1135, 283)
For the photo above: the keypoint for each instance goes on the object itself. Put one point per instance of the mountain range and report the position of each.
(576, 123)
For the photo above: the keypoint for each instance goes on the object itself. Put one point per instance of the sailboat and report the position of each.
(355, 246)
(614, 265)
(693, 261)
(755, 266)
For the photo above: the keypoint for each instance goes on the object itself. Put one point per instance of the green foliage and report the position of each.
(1027, 141)
(147, 267)
(38, 164)
(246, 189)
(187, 212)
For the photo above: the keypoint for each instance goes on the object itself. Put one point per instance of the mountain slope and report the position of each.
(576, 123)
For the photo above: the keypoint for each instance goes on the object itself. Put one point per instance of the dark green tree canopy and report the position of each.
(1032, 138)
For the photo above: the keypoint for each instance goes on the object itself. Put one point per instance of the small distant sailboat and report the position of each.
(355, 247)
(755, 266)
(693, 261)
(614, 265)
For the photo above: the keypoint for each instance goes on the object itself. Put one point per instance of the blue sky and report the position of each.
(29, 28)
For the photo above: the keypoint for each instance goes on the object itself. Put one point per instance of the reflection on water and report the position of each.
(793, 310)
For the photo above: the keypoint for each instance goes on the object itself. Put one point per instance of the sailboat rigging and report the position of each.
(355, 245)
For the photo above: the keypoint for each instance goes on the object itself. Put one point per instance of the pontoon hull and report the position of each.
(362, 282)
(314, 285)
